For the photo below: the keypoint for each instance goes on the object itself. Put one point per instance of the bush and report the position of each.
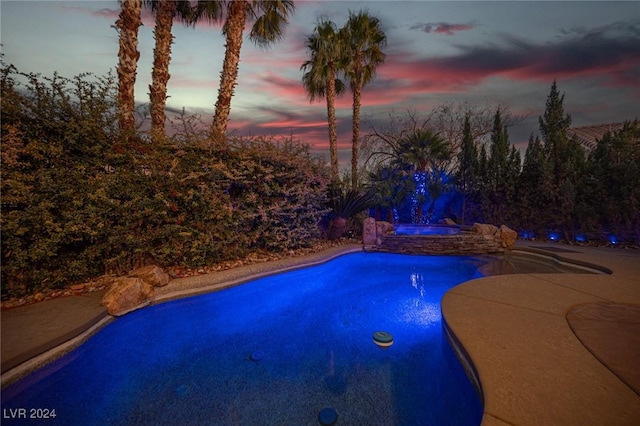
(278, 192)
(79, 201)
(56, 134)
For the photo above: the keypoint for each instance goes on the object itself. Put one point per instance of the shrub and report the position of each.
(278, 192)
(56, 134)
(79, 201)
(344, 206)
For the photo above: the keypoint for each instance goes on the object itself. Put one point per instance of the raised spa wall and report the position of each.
(380, 236)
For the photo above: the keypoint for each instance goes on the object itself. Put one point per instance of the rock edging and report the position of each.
(480, 239)
(134, 291)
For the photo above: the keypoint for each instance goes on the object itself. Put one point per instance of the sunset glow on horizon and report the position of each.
(498, 53)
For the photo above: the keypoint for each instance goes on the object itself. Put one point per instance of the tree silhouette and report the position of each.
(365, 39)
(326, 51)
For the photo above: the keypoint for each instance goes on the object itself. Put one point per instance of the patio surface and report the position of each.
(552, 349)
(555, 349)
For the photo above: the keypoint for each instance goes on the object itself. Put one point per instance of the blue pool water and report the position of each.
(274, 351)
(407, 229)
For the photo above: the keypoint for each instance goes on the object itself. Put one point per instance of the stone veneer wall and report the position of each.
(463, 243)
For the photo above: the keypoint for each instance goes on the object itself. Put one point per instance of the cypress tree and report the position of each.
(553, 127)
(498, 162)
(566, 159)
(614, 177)
(513, 173)
(534, 189)
(484, 185)
(467, 166)
(498, 166)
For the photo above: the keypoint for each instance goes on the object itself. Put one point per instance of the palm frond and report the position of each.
(350, 203)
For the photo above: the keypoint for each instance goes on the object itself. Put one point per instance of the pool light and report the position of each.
(328, 416)
(256, 356)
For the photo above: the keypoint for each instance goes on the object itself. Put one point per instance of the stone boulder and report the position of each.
(127, 294)
(369, 232)
(485, 229)
(507, 236)
(383, 227)
(152, 274)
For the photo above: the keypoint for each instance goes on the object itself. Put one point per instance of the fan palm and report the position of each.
(320, 79)
(165, 12)
(127, 26)
(422, 151)
(269, 17)
(426, 155)
(365, 39)
(389, 187)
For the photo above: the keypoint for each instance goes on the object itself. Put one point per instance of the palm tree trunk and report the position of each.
(234, 28)
(333, 132)
(160, 74)
(355, 143)
(127, 25)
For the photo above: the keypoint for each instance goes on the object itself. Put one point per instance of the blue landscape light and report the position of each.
(613, 239)
(554, 236)
(418, 195)
(581, 238)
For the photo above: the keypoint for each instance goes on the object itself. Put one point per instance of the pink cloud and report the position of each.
(280, 87)
(445, 28)
(615, 61)
(297, 123)
(403, 77)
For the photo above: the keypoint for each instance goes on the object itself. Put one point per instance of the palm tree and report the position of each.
(127, 26)
(270, 17)
(165, 12)
(426, 155)
(320, 79)
(389, 187)
(364, 38)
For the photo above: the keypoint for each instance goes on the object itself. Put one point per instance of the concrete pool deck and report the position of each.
(547, 348)
(534, 369)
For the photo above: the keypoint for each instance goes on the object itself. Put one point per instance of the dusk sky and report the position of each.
(478, 52)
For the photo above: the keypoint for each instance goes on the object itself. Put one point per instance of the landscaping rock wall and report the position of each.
(464, 243)
(481, 239)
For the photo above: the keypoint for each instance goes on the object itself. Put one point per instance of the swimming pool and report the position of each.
(276, 350)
